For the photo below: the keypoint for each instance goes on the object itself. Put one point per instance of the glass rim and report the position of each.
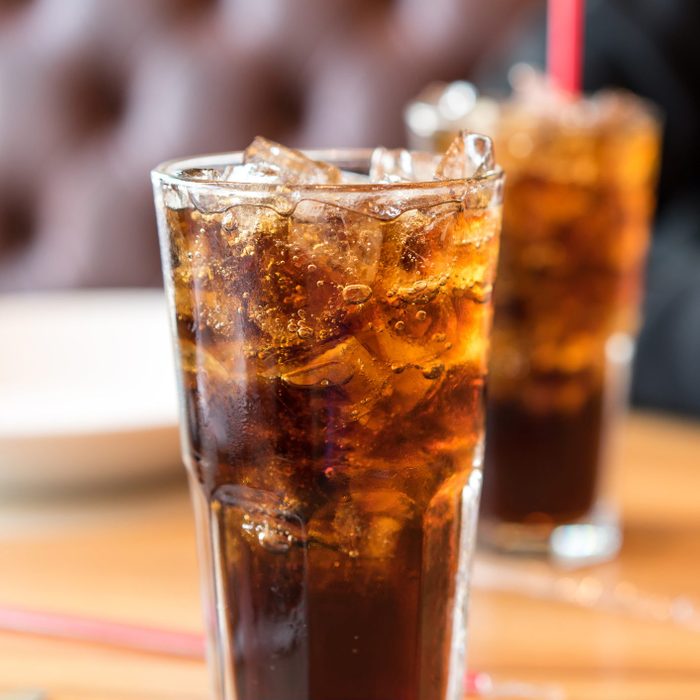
(171, 172)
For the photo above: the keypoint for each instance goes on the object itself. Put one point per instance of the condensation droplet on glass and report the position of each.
(311, 267)
(319, 283)
(329, 472)
(399, 326)
(421, 315)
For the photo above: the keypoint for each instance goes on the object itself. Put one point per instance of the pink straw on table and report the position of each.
(85, 629)
(565, 44)
(191, 645)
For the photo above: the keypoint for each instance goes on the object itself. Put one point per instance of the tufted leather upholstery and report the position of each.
(93, 93)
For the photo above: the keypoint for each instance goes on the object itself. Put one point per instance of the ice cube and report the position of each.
(252, 172)
(347, 366)
(288, 165)
(196, 360)
(349, 371)
(366, 524)
(469, 155)
(175, 197)
(390, 165)
(344, 245)
(399, 165)
(382, 515)
(418, 244)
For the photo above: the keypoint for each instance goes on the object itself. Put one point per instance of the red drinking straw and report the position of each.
(565, 44)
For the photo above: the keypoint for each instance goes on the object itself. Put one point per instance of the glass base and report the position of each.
(590, 540)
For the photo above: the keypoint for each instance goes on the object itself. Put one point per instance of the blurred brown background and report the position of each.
(94, 93)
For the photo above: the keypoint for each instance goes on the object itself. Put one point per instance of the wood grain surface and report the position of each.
(130, 557)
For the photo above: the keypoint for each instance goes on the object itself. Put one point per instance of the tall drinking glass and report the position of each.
(332, 349)
(578, 203)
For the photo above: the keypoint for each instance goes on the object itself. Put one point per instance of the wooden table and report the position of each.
(132, 559)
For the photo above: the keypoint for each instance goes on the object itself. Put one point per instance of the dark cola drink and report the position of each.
(332, 336)
(575, 235)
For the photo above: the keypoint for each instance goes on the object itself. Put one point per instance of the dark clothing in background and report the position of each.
(652, 47)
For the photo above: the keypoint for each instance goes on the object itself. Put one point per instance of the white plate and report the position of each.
(87, 388)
